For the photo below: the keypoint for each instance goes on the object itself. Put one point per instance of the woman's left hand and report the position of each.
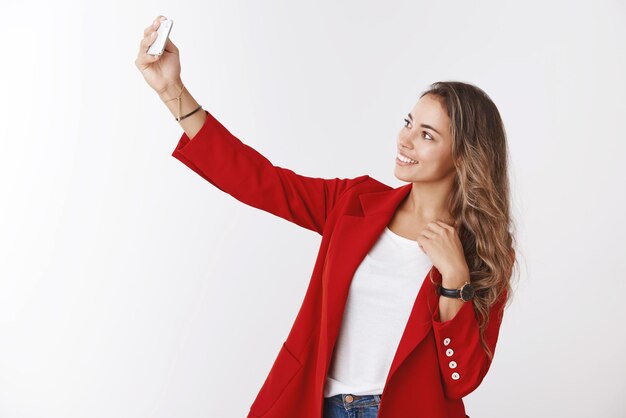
(442, 245)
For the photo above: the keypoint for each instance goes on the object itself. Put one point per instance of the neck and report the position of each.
(429, 202)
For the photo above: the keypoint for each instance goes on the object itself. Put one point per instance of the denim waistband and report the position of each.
(349, 400)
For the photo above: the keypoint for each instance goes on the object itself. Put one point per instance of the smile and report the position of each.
(404, 159)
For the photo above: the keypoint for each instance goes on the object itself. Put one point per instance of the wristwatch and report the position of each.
(465, 292)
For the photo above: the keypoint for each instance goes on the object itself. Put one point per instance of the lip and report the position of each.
(399, 162)
(402, 163)
(406, 156)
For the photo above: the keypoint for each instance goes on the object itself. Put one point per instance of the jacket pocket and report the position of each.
(283, 370)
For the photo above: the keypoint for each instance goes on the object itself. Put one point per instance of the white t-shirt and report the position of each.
(380, 299)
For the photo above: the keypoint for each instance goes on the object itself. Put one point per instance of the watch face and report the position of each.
(467, 291)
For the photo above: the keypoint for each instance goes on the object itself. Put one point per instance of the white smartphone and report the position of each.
(163, 32)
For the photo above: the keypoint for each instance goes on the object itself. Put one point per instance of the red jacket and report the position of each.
(349, 214)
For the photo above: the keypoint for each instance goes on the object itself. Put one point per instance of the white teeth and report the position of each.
(405, 159)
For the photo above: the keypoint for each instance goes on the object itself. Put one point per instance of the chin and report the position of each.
(404, 177)
(402, 173)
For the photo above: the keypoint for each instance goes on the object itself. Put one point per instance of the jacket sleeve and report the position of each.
(239, 170)
(462, 361)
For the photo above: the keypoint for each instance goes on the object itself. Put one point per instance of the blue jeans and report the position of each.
(351, 406)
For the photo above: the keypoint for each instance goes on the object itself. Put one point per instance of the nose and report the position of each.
(403, 142)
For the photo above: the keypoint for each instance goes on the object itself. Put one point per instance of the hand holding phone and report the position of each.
(158, 58)
(162, 34)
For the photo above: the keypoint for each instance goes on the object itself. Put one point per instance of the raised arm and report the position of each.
(225, 161)
(241, 171)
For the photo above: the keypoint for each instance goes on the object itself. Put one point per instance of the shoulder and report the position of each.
(350, 201)
(368, 184)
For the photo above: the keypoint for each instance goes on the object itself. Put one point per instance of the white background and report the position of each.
(131, 287)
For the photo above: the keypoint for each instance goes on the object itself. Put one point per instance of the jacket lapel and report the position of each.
(354, 235)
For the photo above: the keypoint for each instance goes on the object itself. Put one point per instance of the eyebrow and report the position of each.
(423, 125)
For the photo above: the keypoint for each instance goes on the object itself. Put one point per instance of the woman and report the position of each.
(368, 329)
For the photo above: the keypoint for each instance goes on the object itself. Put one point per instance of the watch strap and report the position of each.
(464, 293)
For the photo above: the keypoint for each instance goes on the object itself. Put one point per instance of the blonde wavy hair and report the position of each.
(479, 200)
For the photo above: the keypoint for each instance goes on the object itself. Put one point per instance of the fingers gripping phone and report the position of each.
(163, 32)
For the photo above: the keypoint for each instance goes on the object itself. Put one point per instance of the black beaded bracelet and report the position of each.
(188, 114)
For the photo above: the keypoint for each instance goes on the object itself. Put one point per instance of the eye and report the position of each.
(430, 138)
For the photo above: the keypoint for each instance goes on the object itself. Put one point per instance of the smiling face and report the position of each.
(425, 138)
